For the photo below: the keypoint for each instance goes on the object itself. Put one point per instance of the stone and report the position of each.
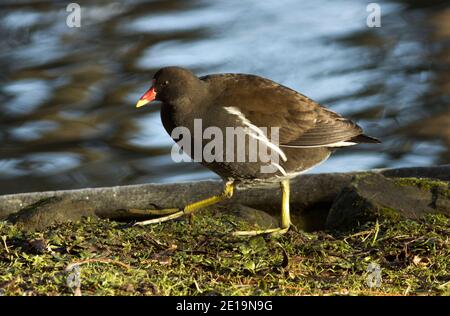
(253, 216)
(373, 196)
(50, 211)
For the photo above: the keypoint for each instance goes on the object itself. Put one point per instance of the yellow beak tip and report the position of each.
(141, 103)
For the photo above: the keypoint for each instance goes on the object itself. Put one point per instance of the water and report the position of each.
(67, 95)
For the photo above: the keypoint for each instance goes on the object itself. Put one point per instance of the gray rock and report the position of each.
(253, 216)
(312, 196)
(54, 210)
(373, 196)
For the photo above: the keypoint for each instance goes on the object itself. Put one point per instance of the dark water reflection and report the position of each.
(67, 95)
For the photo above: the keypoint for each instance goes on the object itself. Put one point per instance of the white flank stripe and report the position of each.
(338, 144)
(259, 133)
(280, 168)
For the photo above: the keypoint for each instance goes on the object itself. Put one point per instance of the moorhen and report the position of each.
(298, 132)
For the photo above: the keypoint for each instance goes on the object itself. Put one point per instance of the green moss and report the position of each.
(360, 176)
(425, 184)
(389, 213)
(197, 258)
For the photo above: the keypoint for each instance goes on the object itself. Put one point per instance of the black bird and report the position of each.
(306, 133)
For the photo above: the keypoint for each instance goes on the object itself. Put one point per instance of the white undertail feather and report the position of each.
(338, 144)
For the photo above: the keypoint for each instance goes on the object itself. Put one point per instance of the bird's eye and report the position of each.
(165, 83)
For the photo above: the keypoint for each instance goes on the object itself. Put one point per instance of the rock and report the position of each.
(308, 191)
(51, 211)
(373, 196)
(312, 197)
(253, 216)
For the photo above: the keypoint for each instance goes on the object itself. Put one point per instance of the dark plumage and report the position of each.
(308, 132)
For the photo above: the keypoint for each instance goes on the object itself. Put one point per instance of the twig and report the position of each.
(97, 260)
(366, 232)
(4, 243)
(377, 230)
(407, 290)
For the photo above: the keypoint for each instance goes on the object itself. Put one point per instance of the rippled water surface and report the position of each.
(67, 95)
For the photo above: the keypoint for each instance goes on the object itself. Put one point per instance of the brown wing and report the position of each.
(302, 122)
(329, 128)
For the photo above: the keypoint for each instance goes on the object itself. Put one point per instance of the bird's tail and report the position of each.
(364, 139)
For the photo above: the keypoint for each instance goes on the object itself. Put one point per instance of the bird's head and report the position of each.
(171, 85)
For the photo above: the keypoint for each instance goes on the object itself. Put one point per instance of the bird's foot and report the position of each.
(173, 213)
(266, 232)
(166, 211)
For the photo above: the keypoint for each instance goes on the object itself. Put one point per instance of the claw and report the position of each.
(189, 209)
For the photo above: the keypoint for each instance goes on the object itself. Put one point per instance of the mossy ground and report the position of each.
(198, 258)
(434, 186)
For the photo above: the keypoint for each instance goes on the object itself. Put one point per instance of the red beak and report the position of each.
(148, 97)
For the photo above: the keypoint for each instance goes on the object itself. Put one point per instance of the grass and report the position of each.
(197, 257)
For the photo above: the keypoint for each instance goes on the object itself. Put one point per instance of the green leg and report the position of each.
(285, 216)
(166, 211)
(190, 208)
